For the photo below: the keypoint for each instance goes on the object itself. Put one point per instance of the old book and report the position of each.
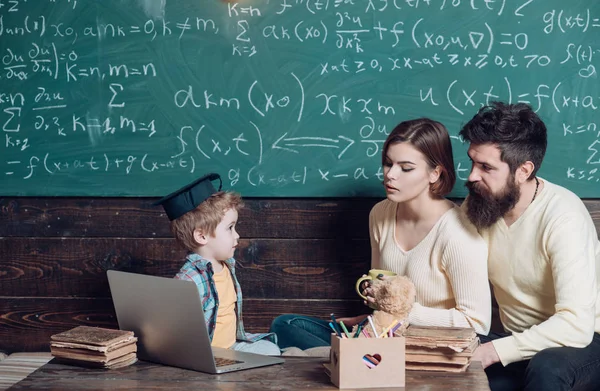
(95, 336)
(436, 367)
(95, 348)
(119, 362)
(436, 358)
(122, 361)
(91, 355)
(444, 350)
(455, 338)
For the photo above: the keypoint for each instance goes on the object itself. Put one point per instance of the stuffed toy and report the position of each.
(394, 298)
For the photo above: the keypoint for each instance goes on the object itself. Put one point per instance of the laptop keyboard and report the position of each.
(220, 361)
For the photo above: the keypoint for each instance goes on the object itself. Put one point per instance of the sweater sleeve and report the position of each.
(570, 250)
(465, 264)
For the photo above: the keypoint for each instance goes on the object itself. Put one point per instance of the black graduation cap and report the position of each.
(190, 196)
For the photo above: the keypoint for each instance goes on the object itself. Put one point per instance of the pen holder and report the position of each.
(367, 362)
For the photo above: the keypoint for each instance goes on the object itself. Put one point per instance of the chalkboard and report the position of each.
(281, 97)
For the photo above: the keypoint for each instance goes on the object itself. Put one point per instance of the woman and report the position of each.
(418, 233)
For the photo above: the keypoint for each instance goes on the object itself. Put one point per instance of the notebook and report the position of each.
(166, 316)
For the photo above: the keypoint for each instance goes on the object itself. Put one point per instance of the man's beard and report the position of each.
(485, 208)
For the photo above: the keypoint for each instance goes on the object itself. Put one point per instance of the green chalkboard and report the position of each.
(281, 97)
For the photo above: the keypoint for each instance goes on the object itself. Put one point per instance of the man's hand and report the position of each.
(487, 354)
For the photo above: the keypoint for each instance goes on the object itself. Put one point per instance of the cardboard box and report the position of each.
(348, 368)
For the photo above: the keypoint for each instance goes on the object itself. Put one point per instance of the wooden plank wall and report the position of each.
(295, 255)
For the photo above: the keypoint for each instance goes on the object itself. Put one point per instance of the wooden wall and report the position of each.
(295, 255)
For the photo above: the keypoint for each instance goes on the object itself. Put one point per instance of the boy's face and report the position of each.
(222, 244)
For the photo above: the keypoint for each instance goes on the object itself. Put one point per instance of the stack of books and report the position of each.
(95, 347)
(439, 348)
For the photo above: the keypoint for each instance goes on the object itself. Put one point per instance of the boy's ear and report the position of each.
(199, 237)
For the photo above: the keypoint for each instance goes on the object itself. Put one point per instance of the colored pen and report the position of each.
(372, 359)
(368, 363)
(364, 321)
(334, 330)
(345, 329)
(336, 325)
(373, 326)
(385, 331)
(396, 327)
(358, 330)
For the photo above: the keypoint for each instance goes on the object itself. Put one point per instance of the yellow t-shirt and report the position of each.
(225, 330)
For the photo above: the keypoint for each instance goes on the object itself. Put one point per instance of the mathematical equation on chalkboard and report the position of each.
(285, 97)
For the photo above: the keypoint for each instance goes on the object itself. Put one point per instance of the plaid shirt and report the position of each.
(200, 271)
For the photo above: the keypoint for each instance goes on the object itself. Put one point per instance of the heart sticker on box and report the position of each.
(371, 360)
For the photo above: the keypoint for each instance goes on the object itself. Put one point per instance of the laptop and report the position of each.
(166, 315)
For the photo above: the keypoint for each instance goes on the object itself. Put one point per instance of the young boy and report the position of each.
(203, 221)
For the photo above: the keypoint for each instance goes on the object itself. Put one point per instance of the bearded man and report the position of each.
(543, 260)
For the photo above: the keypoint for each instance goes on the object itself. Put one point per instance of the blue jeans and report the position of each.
(301, 331)
(550, 369)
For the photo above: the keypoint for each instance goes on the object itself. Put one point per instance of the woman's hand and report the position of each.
(368, 292)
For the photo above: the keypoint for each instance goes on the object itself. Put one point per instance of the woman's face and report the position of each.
(406, 174)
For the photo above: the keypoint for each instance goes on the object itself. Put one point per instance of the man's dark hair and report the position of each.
(515, 128)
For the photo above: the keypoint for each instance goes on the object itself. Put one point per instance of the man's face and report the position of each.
(493, 191)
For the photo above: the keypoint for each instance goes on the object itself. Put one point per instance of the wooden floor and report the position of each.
(18, 366)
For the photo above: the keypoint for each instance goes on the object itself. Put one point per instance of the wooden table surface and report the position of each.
(296, 373)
